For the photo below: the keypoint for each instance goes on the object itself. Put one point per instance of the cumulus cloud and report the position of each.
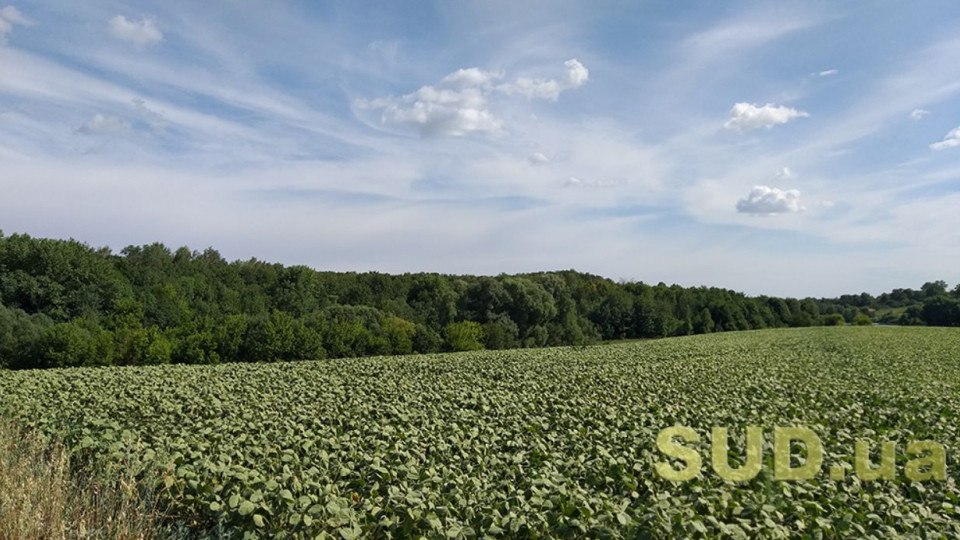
(10, 16)
(768, 201)
(828, 72)
(746, 116)
(140, 33)
(460, 103)
(575, 76)
(917, 114)
(105, 125)
(439, 111)
(950, 140)
(465, 78)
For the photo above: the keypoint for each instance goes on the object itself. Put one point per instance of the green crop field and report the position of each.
(553, 442)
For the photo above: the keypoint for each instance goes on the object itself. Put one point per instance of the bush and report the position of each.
(834, 319)
(861, 319)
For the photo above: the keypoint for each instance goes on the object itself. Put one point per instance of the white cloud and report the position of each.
(918, 114)
(107, 125)
(144, 32)
(828, 72)
(10, 16)
(950, 140)
(152, 118)
(439, 111)
(746, 116)
(575, 181)
(576, 75)
(460, 104)
(785, 174)
(469, 77)
(765, 200)
(538, 158)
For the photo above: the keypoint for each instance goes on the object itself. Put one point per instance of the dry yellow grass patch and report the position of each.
(43, 497)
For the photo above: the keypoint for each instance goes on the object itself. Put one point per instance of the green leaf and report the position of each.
(350, 533)
(246, 508)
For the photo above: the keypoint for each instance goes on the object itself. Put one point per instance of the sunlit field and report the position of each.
(556, 442)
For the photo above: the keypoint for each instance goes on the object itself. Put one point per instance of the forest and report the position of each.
(64, 303)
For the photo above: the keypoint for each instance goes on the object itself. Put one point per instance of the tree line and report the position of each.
(64, 303)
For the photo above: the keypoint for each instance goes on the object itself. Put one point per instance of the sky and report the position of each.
(791, 148)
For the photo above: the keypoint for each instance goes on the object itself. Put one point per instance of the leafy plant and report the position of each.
(555, 442)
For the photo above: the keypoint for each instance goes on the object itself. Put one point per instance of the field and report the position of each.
(551, 442)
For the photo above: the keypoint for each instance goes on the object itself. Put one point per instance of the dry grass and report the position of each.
(43, 497)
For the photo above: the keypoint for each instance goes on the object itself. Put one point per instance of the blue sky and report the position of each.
(790, 148)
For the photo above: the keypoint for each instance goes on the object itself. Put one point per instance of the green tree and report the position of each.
(463, 336)
(501, 333)
(80, 342)
(433, 301)
(281, 337)
(426, 340)
(703, 322)
(614, 316)
(941, 311)
(19, 333)
(63, 279)
(400, 334)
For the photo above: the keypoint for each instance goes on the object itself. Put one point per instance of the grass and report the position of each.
(43, 495)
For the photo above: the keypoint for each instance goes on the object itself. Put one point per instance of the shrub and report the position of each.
(834, 319)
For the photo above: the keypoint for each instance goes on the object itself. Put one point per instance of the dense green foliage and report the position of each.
(555, 441)
(65, 304)
(931, 305)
